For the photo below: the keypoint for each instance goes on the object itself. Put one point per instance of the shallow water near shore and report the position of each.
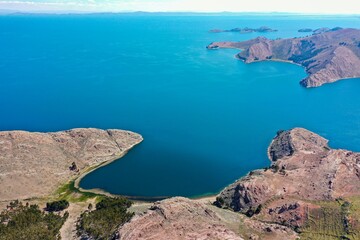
(206, 117)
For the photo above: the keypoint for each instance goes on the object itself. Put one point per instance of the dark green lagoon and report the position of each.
(206, 118)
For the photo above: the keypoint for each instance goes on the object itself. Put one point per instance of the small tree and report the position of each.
(90, 207)
(57, 206)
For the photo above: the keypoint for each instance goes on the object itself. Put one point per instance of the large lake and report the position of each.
(206, 118)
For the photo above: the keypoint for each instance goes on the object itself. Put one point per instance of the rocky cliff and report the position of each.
(304, 169)
(35, 164)
(328, 55)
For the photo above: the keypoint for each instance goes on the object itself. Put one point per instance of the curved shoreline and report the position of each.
(90, 169)
(137, 199)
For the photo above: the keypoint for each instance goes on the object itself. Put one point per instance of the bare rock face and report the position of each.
(328, 55)
(34, 164)
(177, 219)
(303, 168)
(287, 142)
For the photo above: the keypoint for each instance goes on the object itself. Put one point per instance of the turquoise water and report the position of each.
(206, 117)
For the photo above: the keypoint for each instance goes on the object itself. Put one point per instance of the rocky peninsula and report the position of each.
(35, 164)
(328, 55)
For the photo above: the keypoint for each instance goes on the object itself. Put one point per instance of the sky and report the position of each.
(292, 6)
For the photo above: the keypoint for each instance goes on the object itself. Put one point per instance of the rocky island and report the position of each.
(328, 56)
(262, 29)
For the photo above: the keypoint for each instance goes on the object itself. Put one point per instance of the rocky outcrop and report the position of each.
(287, 142)
(34, 164)
(328, 55)
(303, 168)
(177, 219)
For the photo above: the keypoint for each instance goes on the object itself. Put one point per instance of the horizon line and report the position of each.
(12, 11)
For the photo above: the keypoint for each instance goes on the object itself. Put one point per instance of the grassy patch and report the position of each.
(333, 220)
(354, 217)
(70, 193)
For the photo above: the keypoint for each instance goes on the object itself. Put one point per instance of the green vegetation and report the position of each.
(333, 220)
(57, 206)
(353, 216)
(70, 193)
(102, 223)
(28, 222)
(253, 211)
(219, 202)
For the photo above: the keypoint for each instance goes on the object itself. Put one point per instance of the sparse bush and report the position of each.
(258, 209)
(219, 202)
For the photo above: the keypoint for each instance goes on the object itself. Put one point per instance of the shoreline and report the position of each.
(90, 169)
(136, 199)
(271, 60)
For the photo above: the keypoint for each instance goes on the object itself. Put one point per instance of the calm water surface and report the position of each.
(206, 117)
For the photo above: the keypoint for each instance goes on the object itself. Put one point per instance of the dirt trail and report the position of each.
(68, 230)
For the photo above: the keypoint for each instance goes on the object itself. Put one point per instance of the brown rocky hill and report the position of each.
(177, 218)
(34, 164)
(327, 56)
(184, 219)
(303, 169)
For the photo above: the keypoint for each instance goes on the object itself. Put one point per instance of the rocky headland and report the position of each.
(328, 55)
(35, 164)
(304, 170)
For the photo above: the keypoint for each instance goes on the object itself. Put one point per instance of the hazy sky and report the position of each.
(299, 6)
